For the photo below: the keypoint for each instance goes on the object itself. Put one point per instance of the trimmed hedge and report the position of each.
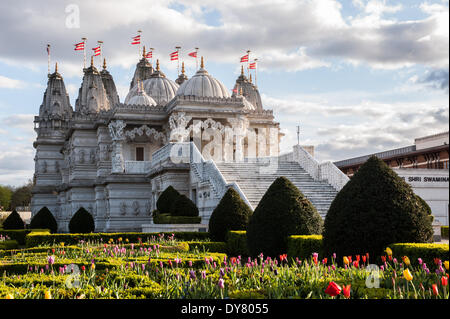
(427, 252)
(444, 232)
(208, 246)
(168, 219)
(82, 222)
(183, 206)
(167, 198)
(8, 244)
(303, 246)
(45, 238)
(13, 221)
(20, 234)
(232, 213)
(44, 219)
(237, 243)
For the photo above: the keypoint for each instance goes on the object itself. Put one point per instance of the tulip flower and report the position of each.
(9, 296)
(346, 261)
(346, 291)
(48, 295)
(444, 281)
(388, 251)
(446, 264)
(406, 260)
(333, 289)
(407, 274)
(435, 289)
(221, 283)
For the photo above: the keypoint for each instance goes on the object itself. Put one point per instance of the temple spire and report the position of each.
(182, 67)
(104, 63)
(242, 70)
(92, 60)
(202, 64)
(157, 64)
(56, 67)
(143, 52)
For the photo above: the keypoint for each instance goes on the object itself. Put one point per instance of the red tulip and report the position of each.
(333, 289)
(435, 289)
(349, 258)
(383, 259)
(358, 257)
(364, 259)
(356, 264)
(83, 268)
(346, 291)
(444, 281)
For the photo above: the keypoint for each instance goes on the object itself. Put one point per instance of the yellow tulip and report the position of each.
(406, 261)
(346, 261)
(389, 251)
(9, 296)
(407, 274)
(92, 266)
(446, 264)
(48, 295)
(62, 244)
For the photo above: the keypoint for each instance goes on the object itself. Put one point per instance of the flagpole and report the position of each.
(196, 58)
(151, 59)
(178, 59)
(48, 57)
(84, 52)
(256, 71)
(101, 50)
(139, 47)
(248, 61)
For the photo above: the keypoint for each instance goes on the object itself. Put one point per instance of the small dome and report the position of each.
(202, 84)
(141, 98)
(158, 87)
(249, 91)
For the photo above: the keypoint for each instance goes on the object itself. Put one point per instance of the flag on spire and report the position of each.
(97, 50)
(244, 58)
(136, 39)
(252, 66)
(149, 55)
(193, 54)
(174, 56)
(79, 46)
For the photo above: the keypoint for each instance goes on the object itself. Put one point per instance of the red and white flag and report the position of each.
(149, 55)
(252, 66)
(97, 51)
(136, 39)
(79, 46)
(193, 54)
(174, 56)
(244, 58)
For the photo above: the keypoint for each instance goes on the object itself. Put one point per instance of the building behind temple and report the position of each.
(114, 159)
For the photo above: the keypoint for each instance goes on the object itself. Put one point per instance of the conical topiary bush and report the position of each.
(183, 206)
(13, 221)
(374, 209)
(166, 200)
(82, 222)
(44, 220)
(282, 211)
(232, 213)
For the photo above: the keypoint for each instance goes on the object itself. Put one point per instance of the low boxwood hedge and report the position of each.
(8, 244)
(20, 234)
(45, 238)
(169, 219)
(209, 246)
(303, 246)
(237, 243)
(427, 252)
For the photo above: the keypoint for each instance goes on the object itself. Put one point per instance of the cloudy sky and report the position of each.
(358, 76)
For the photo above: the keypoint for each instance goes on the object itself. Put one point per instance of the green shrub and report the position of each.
(82, 222)
(232, 213)
(282, 211)
(444, 232)
(13, 221)
(168, 219)
(427, 252)
(167, 198)
(374, 209)
(237, 243)
(44, 220)
(303, 246)
(209, 246)
(8, 244)
(20, 234)
(183, 206)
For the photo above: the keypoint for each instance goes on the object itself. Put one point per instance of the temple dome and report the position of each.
(202, 84)
(158, 87)
(249, 91)
(141, 98)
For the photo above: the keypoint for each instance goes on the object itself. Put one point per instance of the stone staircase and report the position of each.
(254, 178)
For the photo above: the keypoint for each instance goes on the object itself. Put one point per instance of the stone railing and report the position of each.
(319, 172)
(207, 170)
(137, 167)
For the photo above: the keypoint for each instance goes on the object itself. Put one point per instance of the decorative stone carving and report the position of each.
(148, 207)
(136, 208)
(92, 157)
(116, 130)
(44, 167)
(148, 131)
(178, 123)
(57, 167)
(123, 208)
(81, 156)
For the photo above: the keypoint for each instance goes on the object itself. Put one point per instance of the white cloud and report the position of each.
(8, 83)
